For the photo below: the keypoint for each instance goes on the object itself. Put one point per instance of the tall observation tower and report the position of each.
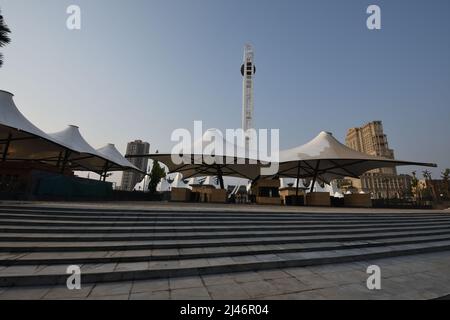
(248, 71)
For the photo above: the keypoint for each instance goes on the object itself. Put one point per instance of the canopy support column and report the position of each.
(58, 163)
(298, 182)
(220, 177)
(66, 158)
(316, 171)
(104, 172)
(5, 152)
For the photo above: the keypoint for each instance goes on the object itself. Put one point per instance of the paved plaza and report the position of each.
(173, 251)
(425, 276)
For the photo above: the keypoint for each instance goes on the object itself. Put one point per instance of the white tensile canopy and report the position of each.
(86, 158)
(20, 140)
(116, 160)
(220, 163)
(324, 159)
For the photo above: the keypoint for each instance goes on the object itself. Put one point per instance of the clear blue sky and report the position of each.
(139, 69)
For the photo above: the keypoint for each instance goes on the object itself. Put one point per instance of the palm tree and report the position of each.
(445, 174)
(426, 174)
(4, 37)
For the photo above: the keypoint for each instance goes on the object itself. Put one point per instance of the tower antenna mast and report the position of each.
(248, 71)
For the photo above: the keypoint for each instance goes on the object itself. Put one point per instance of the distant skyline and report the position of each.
(140, 69)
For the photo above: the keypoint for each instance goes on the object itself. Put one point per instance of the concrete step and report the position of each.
(71, 246)
(191, 212)
(163, 229)
(121, 256)
(82, 237)
(37, 244)
(189, 218)
(94, 273)
(51, 222)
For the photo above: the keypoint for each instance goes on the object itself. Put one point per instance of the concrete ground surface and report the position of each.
(417, 277)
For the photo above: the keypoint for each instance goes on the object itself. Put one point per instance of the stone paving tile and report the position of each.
(331, 268)
(20, 270)
(155, 295)
(214, 249)
(256, 247)
(190, 251)
(437, 274)
(199, 293)
(288, 285)
(259, 289)
(227, 292)
(98, 268)
(164, 252)
(346, 277)
(220, 261)
(62, 293)
(172, 264)
(434, 293)
(356, 291)
(11, 256)
(268, 257)
(273, 274)
(134, 266)
(215, 279)
(140, 286)
(112, 297)
(56, 269)
(193, 263)
(315, 281)
(133, 253)
(110, 289)
(107, 254)
(304, 295)
(33, 293)
(299, 272)
(244, 259)
(397, 270)
(183, 283)
(249, 276)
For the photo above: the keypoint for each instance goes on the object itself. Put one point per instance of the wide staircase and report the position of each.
(38, 244)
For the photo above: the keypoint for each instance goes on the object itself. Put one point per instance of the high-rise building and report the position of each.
(248, 71)
(381, 183)
(370, 139)
(131, 178)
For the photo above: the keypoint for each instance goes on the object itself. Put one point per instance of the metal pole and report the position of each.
(315, 176)
(105, 170)
(59, 159)
(298, 182)
(220, 177)
(66, 158)
(5, 152)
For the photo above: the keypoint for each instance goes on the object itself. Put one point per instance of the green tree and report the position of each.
(156, 175)
(4, 36)
(430, 189)
(445, 175)
(415, 190)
